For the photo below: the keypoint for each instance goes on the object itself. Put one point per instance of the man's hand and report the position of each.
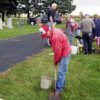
(53, 25)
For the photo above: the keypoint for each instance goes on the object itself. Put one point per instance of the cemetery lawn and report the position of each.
(22, 82)
(18, 31)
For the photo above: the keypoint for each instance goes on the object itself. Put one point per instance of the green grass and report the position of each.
(60, 25)
(22, 82)
(18, 31)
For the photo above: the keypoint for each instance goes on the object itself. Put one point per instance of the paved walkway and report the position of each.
(15, 50)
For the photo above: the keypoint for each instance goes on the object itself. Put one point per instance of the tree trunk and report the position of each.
(18, 15)
(3, 14)
(15, 15)
(28, 15)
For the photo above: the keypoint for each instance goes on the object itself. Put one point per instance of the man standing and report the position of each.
(51, 17)
(96, 30)
(87, 26)
(62, 53)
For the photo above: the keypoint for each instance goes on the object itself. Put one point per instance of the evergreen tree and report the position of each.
(38, 6)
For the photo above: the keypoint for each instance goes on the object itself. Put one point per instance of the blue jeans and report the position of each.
(69, 35)
(71, 39)
(62, 70)
(50, 25)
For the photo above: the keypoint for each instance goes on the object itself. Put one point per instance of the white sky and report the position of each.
(87, 7)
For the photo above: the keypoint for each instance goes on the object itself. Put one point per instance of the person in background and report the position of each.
(62, 53)
(81, 15)
(86, 26)
(69, 30)
(72, 29)
(96, 30)
(51, 18)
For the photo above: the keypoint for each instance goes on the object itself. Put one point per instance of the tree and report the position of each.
(40, 6)
(8, 7)
(64, 6)
(31, 5)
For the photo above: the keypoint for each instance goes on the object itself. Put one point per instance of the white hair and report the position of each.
(54, 5)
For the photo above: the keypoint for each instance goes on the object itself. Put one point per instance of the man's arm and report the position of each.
(57, 48)
(51, 20)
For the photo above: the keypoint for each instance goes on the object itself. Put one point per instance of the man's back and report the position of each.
(59, 44)
(59, 38)
(87, 25)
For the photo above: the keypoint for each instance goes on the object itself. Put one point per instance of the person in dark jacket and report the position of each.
(51, 18)
(96, 30)
(86, 26)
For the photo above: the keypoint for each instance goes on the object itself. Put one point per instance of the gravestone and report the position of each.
(1, 24)
(9, 23)
(21, 23)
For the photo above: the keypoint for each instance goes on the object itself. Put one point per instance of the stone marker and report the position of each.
(1, 24)
(9, 23)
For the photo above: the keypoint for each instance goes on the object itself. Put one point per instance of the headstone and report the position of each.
(1, 24)
(21, 23)
(9, 23)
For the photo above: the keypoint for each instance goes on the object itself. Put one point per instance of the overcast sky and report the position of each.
(87, 7)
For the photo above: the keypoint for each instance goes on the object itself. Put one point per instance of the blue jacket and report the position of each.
(96, 30)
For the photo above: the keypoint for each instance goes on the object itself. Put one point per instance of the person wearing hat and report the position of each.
(62, 52)
(86, 26)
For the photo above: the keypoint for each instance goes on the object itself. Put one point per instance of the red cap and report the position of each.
(44, 29)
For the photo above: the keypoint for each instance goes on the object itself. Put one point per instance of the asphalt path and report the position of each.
(17, 49)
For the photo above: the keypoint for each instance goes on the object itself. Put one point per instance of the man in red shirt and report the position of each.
(62, 52)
